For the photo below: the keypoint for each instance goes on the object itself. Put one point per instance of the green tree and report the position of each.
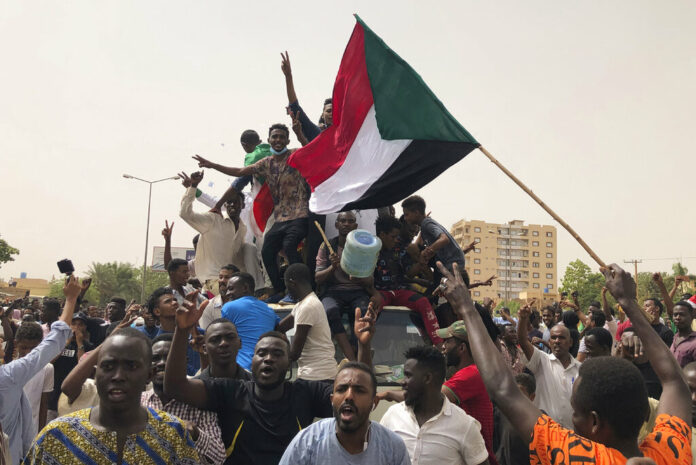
(153, 280)
(115, 279)
(579, 277)
(6, 252)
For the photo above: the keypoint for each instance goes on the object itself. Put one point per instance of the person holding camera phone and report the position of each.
(15, 411)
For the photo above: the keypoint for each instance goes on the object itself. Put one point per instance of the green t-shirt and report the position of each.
(260, 152)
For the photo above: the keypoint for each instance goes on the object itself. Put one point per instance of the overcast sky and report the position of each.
(590, 103)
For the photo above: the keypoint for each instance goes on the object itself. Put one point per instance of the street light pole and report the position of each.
(147, 226)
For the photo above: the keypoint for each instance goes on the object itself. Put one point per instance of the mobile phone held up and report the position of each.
(66, 267)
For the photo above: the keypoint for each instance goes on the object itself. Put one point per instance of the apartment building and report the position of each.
(523, 257)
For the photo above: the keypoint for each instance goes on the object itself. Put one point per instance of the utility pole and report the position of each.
(635, 262)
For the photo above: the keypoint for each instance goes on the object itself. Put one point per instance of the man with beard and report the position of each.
(435, 431)
(119, 430)
(202, 425)
(350, 437)
(555, 373)
(258, 418)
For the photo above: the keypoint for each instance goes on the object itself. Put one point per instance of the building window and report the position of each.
(477, 261)
(535, 233)
(477, 250)
(477, 229)
(549, 265)
(535, 265)
(549, 286)
(549, 276)
(477, 271)
(477, 294)
(549, 244)
(535, 254)
(477, 239)
(535, 243)
(549, 255)
(535, 285)
(549, 234)
(535, 275)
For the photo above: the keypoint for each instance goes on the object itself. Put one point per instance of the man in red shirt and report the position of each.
(465, 388)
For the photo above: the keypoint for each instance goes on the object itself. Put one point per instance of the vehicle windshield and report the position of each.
(395, 333)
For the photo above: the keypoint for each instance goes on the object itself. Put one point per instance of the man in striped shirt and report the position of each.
(202, 425)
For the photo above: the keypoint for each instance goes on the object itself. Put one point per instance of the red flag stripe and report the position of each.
(263, 207)
(322, 157)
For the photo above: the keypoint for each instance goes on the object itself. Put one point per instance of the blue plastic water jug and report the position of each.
(360, 253)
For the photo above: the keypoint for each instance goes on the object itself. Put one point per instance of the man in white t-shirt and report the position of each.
(311, 344)
(39, 388)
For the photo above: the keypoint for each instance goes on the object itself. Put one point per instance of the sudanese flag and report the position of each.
(390, 135)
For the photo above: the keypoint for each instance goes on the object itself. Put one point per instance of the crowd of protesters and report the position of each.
(202, 371)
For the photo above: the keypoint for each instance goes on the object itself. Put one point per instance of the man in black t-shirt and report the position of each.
(258, 418)
(68, 358)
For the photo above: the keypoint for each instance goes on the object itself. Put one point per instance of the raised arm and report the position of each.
(287, 71)
(676, 396)
(176, 384)
(496, 375)
(201, 222)
(167, 234)
(71, 290)
(228, 196)
(605, 305)
(72, 385)
(309, 130)
(666, 298)
(364, 329)
(523, 331)
(228, 170)
(677, 281)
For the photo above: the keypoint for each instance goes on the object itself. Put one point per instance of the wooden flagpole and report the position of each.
(545, 207)
(553, 214)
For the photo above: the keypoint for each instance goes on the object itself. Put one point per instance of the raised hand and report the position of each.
(619, 282)
(196, 178)
(489, 281)
(364, 326)
(285, 64)
(188, 314)
(72, 288)
(86, 282)
(296, 124)
(453, 288)
(186, 180)
(202, 162)
(524, 312)
(657, 277)
(167, 231)
(132, 312)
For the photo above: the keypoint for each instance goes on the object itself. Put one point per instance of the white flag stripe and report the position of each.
(368, 158)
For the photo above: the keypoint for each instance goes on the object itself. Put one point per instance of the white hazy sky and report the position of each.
(590, 103)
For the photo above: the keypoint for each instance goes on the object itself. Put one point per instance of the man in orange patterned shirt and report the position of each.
(609, 399)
